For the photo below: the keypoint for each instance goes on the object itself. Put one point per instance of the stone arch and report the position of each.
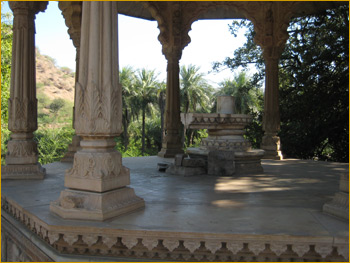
(231, 10)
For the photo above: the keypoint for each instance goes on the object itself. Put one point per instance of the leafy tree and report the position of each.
(6, 56)
(146, 87)
(314, 83)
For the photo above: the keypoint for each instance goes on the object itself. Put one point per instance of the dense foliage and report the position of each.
(6, 50)
(314, 84)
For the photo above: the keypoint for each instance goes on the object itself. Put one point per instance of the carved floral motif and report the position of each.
(96, 165)
(301, 249)
(22, 149)
(168, 251)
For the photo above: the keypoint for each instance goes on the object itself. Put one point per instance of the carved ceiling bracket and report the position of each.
(271, 26)
(72, 13)
(170, 20)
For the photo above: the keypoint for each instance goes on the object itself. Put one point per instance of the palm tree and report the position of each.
(161, 103)
(127, 80)
(246, 96)
(195, 90)
(146, 87)
(195, 93)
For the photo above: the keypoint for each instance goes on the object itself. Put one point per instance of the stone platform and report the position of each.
(275, 216)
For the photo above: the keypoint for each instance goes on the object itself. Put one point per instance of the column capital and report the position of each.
(72, 13)
(271, 28)
(172, 53)
(31, 6)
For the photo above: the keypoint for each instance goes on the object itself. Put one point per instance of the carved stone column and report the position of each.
(171, 144)
(97, 182)
(271, 118)
(75, 145)
(72, 12)
(22, 155)
(173, 38)
(271, 34)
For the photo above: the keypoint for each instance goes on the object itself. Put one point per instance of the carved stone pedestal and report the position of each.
(74, 204)
(72, 149)
(339, 206)
(97, 184)
(22, 158)
(272, 147)
(226, 151)
(23, 171)
(249, 162)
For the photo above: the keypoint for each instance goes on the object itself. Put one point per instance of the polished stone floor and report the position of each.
(286, 199)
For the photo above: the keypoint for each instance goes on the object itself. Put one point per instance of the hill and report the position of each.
(55, 92)
(53, 81)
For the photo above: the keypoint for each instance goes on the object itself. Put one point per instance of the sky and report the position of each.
(139, 47)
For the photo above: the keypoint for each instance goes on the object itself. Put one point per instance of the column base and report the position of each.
(22, 171)
(271, 145)
(169, 153)
(72, 149)
(74, 204)
(272, 155)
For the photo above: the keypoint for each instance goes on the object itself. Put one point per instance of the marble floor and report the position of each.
(285, 200)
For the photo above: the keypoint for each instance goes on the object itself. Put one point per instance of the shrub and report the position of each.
(53, 143)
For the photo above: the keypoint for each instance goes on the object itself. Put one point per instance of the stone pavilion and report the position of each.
(94, 211)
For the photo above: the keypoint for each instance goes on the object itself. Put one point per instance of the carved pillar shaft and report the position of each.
(22, 155)
(171, 144)
(271, 34)
(75, 145)
(271, 118)
(72, 12)
(98, 178)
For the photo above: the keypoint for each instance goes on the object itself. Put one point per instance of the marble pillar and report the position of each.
(171, 144)
(72, 12)
(75, 145)
(97, 183)
(22, 154)
(271, 25)
(271, 118)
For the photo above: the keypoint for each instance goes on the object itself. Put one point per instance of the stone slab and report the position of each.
(282, 201)
(185, 171)
(193, 162)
